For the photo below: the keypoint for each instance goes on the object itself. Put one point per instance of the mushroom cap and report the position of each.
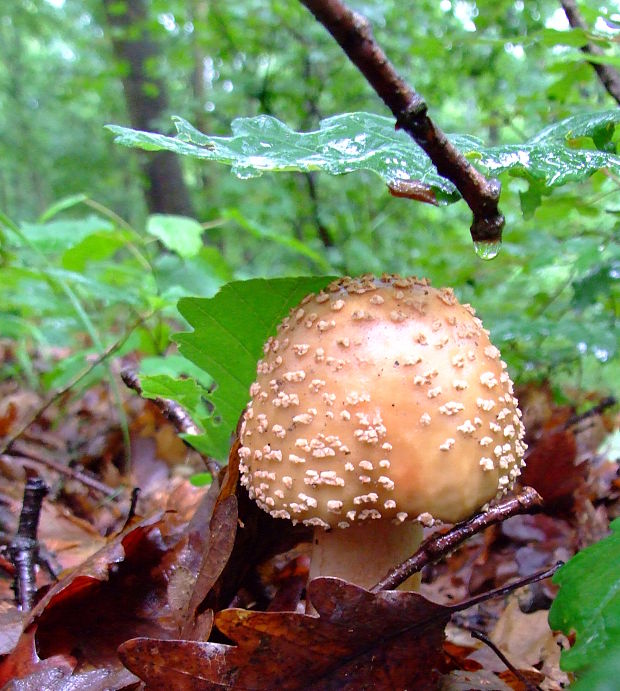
(380, 398)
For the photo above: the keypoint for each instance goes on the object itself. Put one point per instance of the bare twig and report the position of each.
(487, 641)
(437, 546)
(413, 189)
(177, 415)
(24, 548)
(507, 589)
(135, 494)
(353, 33)
(595, 410)
(59, 393)
(608, 75)
(28, 456)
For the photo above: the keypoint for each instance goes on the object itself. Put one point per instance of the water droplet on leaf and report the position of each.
(487, 250)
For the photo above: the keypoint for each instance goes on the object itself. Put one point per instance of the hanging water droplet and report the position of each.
(487, 250)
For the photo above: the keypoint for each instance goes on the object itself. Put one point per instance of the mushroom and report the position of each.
(380, 406)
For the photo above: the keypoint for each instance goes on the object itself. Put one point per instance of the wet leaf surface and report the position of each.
(392, 638)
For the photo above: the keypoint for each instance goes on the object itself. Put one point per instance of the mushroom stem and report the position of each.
(364, 553)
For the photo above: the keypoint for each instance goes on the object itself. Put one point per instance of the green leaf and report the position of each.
(364, 141)
(200, 275)
(229, 331)
(554, 37)
(343, 144)
(57, 236)
(178, 233)
(186, 392)
(174, 366)
(201, 479)
(94, 247)
(589, 604)
(552, 157)
(602, 677)
(598, 282)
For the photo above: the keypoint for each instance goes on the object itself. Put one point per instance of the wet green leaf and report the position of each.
(364, 141)
(589, 604)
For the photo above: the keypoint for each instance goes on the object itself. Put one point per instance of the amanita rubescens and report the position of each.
(380, 406)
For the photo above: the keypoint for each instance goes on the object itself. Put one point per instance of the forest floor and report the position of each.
(157, 579)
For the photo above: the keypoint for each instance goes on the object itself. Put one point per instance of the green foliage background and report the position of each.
(497, 72)
(83, 266)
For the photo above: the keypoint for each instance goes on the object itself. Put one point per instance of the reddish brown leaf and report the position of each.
(390, 640)
(552, 472)
(221, 533)
(258, 537)
(291, 581)
(24, 662)
(118, 593)
(473, 681)
(413, 189)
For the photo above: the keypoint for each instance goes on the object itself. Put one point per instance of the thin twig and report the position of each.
(59, 393)
(437, 546)
(24, 548)
(595, 410)
(507, 589)
(353, 33)
(608, 75)
(174, 412)
(28, 456)
(135, 494)
(517, 673)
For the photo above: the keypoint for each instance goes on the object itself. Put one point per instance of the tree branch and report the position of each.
(24, 548)
(353, 33)
(609, 76)
(440, 544)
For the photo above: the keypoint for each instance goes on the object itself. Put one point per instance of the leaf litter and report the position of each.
(203, 590)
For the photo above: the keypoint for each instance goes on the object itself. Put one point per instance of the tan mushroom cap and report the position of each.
(380, 398)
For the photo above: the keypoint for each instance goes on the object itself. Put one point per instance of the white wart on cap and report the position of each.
(380, 398)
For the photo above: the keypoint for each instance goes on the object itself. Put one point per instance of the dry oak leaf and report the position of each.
(359, 640)
(78, 624)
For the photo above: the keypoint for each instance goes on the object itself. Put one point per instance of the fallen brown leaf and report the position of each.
(116, 593)
(359, 639)
(551, 470)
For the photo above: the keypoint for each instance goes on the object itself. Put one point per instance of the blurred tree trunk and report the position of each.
(147, 102)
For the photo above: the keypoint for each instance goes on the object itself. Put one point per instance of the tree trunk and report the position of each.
(147, 103)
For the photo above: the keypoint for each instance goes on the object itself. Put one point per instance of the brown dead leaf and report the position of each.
(258, 537)
(11, 624)
(24, 663)
(528, 642)
(552, 472)
(481, 680)
(72, 540)
(519, 547)
(117, 593)
(220, 538)
(360, 640)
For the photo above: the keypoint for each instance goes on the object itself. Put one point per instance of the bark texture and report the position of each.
(147, 103)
